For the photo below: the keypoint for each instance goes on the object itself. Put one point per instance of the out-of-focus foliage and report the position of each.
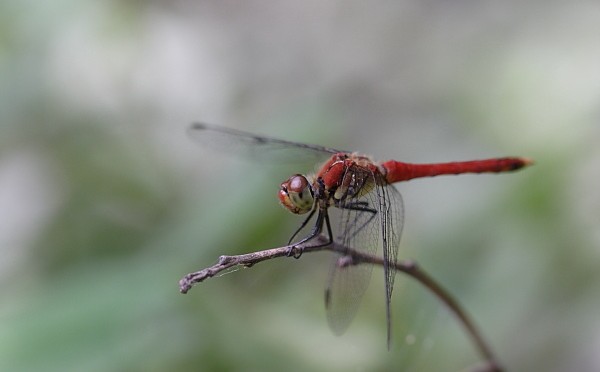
(105, 202)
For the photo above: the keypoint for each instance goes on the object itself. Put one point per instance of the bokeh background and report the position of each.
(105, 201)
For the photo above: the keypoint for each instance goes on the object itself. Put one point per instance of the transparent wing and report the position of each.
(391, 211)
(245, 144)
(372, 219)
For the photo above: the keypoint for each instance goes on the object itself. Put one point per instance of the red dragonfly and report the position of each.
(370, 211)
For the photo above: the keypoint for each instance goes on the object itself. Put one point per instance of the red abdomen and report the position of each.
(398, 171)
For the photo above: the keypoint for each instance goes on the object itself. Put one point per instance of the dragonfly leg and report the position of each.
(310, 216)
(296, 251)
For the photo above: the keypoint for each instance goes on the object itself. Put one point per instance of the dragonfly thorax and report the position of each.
(297, 195)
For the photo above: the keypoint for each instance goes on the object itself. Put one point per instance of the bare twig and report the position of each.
(249, 259)
(408, 267)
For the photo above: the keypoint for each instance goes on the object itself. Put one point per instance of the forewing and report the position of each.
(357, 228)
(249, 145)
(367, 221)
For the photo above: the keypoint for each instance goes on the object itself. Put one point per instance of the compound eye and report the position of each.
(296, 194)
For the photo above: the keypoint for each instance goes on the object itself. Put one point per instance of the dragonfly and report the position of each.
(368, 208)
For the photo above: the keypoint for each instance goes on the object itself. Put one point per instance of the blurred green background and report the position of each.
(105, 202)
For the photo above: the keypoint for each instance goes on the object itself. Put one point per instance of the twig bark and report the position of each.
(408, 267)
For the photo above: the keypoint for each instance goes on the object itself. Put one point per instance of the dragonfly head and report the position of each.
(296, 194)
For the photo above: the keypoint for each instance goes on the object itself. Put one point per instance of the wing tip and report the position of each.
(198, 126)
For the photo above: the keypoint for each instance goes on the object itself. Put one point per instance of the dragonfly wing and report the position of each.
(367, 221)
(345, 289)
(228, 140)
(391, 211)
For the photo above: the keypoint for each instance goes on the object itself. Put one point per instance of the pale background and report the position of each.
(105, 202)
